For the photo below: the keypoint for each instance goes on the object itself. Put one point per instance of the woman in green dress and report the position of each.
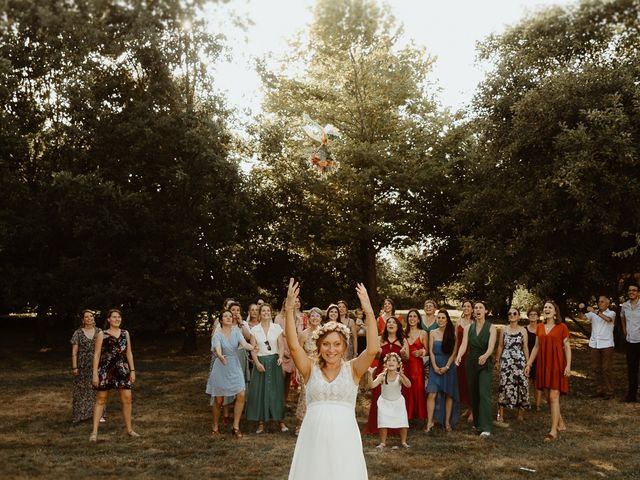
(480, 337)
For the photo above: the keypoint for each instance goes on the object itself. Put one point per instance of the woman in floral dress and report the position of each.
(82, 345)
(513, 355)
(113, 368)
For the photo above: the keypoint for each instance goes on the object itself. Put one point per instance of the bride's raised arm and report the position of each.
(299, 356)
(362, 363)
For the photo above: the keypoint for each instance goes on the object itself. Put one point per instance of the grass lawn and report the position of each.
(171, 413)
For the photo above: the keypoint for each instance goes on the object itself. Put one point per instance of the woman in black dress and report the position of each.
(113, 368)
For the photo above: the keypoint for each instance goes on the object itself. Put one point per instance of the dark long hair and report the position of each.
(407, 328)
(399, 335)
(326, 316)
(449, 336)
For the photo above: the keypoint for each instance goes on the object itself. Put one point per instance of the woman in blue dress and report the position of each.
(443, 398)
(226, 377)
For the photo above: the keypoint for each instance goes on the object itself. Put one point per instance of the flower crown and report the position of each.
(393, 355)
(328, 328)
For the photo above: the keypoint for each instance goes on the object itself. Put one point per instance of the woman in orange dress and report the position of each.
(553, 352)
(418, 348)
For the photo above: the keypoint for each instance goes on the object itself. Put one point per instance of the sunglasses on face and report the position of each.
(266, 342)
(513, 314)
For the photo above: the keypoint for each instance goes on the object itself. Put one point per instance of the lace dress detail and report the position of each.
(341, 389)
(329, 443)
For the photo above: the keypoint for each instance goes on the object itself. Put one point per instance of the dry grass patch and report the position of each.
(37, 439)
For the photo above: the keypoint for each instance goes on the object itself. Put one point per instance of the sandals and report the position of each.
(447, 428)
(380, 446)
(550, 438)
(133, 434)
(260, 429)
(236, 433)
(427, 428)
(405, 445)
(284, 428)
(93, 437)
(215, 433)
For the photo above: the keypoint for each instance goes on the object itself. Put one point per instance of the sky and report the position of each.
(448, 29)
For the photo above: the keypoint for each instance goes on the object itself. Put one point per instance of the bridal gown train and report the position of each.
(329, 445)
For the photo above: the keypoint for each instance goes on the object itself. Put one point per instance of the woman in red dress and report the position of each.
(418, 348)
(553, 352)
(391, 340)
(464, 321)
(418, 341)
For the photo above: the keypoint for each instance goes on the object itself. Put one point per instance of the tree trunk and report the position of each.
(189, 338)
(370, 272)
(41, 338)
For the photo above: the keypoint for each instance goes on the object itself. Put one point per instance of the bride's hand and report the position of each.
(292, 293)
(363, 296)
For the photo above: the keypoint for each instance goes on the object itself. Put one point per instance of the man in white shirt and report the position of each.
(601, 345)
(630, 319)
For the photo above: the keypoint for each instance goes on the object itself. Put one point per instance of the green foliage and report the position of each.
(118, 189)
(556, 130)
(356, 77)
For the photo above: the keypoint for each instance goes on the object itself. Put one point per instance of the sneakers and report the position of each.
(380, 446)
(485, 434)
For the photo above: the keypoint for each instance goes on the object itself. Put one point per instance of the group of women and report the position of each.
(271, 371)
(445, 366)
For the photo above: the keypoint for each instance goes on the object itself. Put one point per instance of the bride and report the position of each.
(329, 443)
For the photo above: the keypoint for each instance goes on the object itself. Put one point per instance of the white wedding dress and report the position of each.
(329, 445)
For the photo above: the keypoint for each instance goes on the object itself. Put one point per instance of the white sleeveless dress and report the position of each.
(329, 445)
(392, 410)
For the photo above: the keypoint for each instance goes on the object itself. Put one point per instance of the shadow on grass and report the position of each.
(38, 440)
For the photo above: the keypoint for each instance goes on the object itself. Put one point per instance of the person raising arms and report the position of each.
(329, 444)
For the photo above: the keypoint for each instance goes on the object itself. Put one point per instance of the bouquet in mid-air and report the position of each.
(320, 158)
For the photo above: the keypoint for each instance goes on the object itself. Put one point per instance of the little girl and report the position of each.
(392, 411)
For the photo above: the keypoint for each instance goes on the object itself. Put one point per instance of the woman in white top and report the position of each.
(266, 389)
(329, 444)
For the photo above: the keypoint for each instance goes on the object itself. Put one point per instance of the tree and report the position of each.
(556, 126)
(120, 190)
(356, 77)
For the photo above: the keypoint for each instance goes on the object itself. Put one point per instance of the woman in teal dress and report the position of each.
(480, 337)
